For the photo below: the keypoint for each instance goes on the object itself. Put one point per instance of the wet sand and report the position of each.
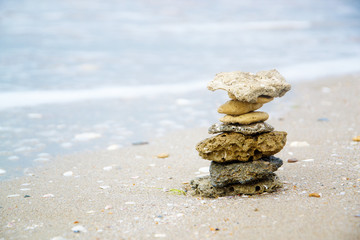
(131, 194)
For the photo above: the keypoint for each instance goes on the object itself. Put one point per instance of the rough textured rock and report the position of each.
(251, 129)
(202, 186)
(246, 118)
(236, 146)
(247, 87)
(235, 107)
(223, 174)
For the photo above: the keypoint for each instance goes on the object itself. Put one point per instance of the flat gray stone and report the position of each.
(223, 174)
(202, 187)
(247, 87)
(250, 129)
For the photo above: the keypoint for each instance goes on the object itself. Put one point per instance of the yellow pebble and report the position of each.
(356, 139)
(162, 155)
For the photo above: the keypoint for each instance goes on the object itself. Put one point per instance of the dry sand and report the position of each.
(131, 198)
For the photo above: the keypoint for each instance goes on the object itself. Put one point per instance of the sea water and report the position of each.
(95, 75)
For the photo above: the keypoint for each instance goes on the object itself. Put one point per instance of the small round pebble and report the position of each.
(163, 155)
(356, 139)
(314, 195)
(292, 160)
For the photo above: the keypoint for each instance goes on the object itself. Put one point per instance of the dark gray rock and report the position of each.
(202, 187)
(250, 129)
(223, 174)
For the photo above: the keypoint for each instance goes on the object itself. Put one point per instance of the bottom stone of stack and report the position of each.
(223, 174)
(202, 186)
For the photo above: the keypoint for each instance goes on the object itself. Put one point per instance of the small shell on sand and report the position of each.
(68, 174)
(163, 155)
(49, 195)
(317, 195)
(356, 139)
(79, 229)
(108, 168)
(292, 160)
(13, 195)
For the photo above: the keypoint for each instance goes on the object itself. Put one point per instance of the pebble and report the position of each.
(234, 107)
(308, 160)
(317, 195)
(25, 189)
(108, 207)
(163, 155)
(299, 144)
(247, 118)
(13, 195)
(68, 174)
(2, 171)
(27, 196)
(323, 119)
(108, 168)
(356, 139)
(292, 160)
(78, 229)
(105, 187)
(264, 99)
(130, 203)
(49, 195)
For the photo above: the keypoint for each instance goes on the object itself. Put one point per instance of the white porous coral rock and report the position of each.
(247, 87)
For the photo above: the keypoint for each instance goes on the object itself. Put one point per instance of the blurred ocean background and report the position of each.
(85, 75)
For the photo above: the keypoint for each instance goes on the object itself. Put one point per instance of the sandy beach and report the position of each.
(129, 193)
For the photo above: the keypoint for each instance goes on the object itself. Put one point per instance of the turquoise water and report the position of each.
(86, 75)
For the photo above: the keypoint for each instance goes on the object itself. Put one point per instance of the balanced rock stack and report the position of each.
(241, 153)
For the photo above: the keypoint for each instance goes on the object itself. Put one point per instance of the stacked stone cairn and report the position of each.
(241, 153)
